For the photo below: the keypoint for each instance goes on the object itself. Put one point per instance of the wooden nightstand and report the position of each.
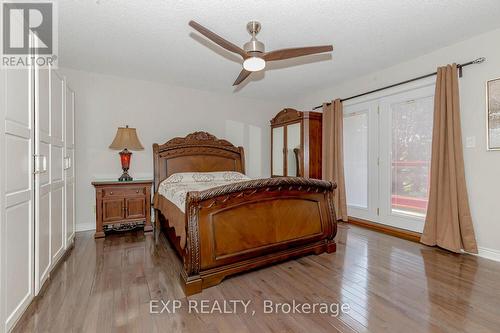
(122, 205)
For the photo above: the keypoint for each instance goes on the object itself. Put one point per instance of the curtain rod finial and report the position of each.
(479, 60)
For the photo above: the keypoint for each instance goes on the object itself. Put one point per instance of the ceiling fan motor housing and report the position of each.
(253, 46)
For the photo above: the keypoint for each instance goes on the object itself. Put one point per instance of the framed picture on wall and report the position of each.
(493, 114)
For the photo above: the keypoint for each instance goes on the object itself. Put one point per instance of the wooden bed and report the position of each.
(241, 226)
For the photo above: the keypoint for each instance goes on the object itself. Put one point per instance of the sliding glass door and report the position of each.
(387, 147)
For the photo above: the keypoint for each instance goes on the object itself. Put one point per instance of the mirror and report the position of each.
(278, 148)
(293, 143)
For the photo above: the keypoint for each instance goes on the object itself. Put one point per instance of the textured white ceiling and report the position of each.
(151, 40)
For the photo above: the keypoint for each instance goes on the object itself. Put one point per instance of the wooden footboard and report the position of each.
(246, 225)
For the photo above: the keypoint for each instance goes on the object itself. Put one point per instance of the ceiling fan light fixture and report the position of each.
(254, 64)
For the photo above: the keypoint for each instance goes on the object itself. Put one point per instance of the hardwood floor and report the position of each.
(391, 285)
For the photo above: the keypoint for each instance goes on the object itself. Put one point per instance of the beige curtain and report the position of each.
(333, 154)
(448, 223)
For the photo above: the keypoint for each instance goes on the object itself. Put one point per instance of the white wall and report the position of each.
(482, 168)
(159, 112)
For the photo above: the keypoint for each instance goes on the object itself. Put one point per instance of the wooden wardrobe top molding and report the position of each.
(289, 115)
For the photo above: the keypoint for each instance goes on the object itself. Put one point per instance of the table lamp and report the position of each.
(125, 139)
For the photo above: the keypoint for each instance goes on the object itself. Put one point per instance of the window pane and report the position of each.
(411, 155)
(356, 158)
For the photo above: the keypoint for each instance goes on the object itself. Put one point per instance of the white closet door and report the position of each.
(69, 172)
(56, 171)
(18, 227)
(42, 177)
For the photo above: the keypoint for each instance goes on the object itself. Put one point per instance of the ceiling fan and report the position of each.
(253, 52)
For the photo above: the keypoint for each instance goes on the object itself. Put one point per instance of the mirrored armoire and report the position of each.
(296, 144)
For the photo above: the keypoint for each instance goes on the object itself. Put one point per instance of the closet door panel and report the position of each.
(43, 238)
(43, 102)
(18, 95)
(70, 211)
(18, 267)
(56, 119)
(69, 146)
(57, 167)
(17, 236)
(18, 163)
(57, 164)
(42, 177)
(70, 118)
(57, 219)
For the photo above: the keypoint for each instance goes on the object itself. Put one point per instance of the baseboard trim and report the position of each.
(85, 226)
(385, 229)
(487, 253)
(413, 236)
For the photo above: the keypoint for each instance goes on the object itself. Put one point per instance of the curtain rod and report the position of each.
(460, 66)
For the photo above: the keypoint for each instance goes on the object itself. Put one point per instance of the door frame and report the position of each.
(373, 212)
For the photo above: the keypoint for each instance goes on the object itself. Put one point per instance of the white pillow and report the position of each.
(206, 177)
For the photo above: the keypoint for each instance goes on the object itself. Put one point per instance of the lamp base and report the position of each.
(125, 157)
(125, 177)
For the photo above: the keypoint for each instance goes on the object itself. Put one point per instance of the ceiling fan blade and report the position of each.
(218, 39)
(243, 75)
(296, 52)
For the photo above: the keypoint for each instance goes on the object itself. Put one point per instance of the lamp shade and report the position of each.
(126, 138)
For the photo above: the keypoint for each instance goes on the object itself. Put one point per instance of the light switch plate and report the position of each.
(470, 142)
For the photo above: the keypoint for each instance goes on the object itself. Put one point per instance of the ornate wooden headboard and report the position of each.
(197, 152)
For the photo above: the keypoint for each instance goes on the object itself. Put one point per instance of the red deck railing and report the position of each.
(416, 204)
